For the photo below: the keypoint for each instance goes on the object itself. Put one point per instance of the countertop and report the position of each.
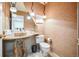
(1, 35)
(19, 37)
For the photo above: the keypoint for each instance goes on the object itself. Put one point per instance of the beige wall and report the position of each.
(78, 17)
(61, 27)
(6, 15)
(28, 24)
(37, 9)
(40, 28)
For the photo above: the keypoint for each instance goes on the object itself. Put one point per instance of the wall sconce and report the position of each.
(32, 14)
(13, 8)
(44, 12)
(28, 17)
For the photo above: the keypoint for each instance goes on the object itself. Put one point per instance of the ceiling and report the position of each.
(20, 5)
(43, 3)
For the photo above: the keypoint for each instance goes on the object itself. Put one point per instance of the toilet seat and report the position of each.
(44, 45)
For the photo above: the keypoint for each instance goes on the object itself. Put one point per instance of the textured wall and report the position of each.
(40, 28)
(6, 15)
(78, 23)
(61, 27)
(29, 24)
(78, 17)
(37, 9)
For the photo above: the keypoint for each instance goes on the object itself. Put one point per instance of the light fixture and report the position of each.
(32, 14)
(44, 16)
(13, 7)
(28, 17)
(43, 3)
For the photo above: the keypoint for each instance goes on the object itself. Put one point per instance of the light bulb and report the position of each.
(28, 17)
(13, 9)
(14, 15)
(44, 16)
(32, 14)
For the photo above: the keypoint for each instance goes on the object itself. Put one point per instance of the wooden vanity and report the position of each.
(78, 48)
(10, 45)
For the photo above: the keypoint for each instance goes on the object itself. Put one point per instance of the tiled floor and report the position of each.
(37, 54)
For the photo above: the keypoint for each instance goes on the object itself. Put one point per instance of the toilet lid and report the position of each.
(44, 45)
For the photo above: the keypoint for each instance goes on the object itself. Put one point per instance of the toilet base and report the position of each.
(45, 54)
(37, 54)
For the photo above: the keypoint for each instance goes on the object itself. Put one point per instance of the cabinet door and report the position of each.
(0, 47)
(0, 29)
(8, 48)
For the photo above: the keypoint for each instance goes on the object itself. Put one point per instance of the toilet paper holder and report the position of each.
(49, 40)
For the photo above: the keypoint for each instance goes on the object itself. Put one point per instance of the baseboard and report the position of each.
(53, 54)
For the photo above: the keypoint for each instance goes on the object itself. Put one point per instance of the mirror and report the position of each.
(17, 22)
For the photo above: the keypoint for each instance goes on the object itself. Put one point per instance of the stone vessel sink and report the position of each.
(19, 33)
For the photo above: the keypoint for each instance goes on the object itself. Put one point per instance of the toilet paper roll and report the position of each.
(49, 39)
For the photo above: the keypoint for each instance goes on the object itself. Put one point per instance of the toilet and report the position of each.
(44, 47)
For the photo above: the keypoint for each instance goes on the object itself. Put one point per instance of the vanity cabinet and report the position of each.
(13, 48)
(1, 28)
(19, 47)
(8, 48)
(78, 49)
(28, 44)
(0, 47)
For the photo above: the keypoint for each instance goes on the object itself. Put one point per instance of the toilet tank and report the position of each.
(39, 38)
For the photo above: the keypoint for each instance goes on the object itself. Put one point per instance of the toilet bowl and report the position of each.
(44, 47)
